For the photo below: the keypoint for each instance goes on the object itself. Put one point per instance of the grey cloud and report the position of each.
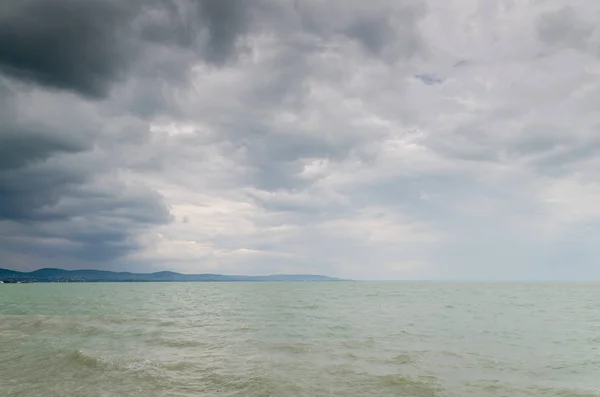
(277, 159)
(210, 28)
(375, 33)
(546, 150)
(382, 28)
(552, 150)
(538, 138)
(566, 159)
(469, 142)
(180, 34)
(493, 113)
(563, 28)
(291, 68)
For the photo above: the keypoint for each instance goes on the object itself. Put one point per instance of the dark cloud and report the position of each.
(28, 182)
(26, 192)
(86, 46)
(104, 218)
(429, 78)
(97, 214)
(59, 180)
(225, 21)
(19, 148)
(66, 44)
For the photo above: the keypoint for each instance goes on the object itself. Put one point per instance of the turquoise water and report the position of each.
(300, 339)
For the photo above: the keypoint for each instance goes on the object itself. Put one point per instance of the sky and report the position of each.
(382, 139)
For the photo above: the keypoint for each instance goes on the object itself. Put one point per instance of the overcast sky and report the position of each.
(381, 139)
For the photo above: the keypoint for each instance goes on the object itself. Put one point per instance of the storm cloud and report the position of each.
(379, 140)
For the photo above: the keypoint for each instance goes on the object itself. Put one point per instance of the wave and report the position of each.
(177, 366)
(297, 348)
(79, 357)
(178, 343)
(403, 359)
(51, 324)
(134, 364)
(409, 386)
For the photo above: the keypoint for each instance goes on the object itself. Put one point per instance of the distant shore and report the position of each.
(49, 275)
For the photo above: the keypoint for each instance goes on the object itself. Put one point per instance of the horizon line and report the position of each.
(432, 280)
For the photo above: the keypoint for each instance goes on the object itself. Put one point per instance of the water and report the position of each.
(300, 339)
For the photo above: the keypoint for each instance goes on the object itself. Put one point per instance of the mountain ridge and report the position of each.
(93, 275)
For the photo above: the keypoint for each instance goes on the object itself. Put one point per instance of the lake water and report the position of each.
(300, 339)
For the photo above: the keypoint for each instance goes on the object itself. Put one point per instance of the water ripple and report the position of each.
(251, 340)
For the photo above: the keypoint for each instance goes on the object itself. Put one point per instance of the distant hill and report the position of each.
(61, 275)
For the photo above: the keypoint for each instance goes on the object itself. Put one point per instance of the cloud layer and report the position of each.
(379, 140)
